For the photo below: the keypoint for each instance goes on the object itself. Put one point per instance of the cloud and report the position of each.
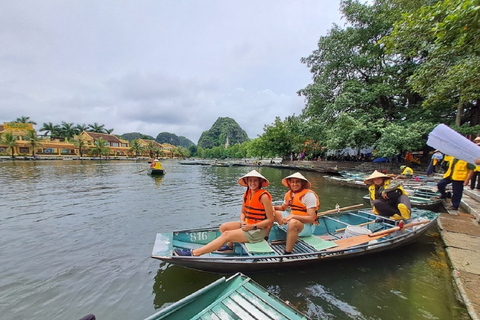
(155, 66)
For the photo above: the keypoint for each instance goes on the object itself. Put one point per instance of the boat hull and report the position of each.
(304, 254)
(156, 172)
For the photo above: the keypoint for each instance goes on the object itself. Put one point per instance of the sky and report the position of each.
(154, 66)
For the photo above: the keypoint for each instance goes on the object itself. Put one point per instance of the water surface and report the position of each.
(76, 238)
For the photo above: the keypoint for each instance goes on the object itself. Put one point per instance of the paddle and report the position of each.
(339, 209)
(140, 171)
(364, 238)
(361, 224)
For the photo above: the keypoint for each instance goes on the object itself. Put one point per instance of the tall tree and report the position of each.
(444, 38)
(33, 140)
(10, 141)
(100, 147)
(136, 147)
(67, 130)
(24, 119)
(95, 127)
(51, 128)
(359, 88)
(79, 142)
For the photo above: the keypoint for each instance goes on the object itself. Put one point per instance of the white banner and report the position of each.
(452, 143)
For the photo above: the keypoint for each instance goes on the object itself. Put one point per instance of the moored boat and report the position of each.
(347, 181)
(237, 297)
(332, 239)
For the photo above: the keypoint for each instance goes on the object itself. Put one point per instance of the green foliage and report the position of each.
(33, 140)
(100, 147)
(444, 38)
(136, 147)
(10, 141)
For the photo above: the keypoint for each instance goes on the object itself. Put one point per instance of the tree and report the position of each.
(444, 38)
(79, 142)
(33, 140)
(150, 148)
(50, 128)
(10, 141)
(99, 128)
(100, 147)
(359, 87)
(24, 119)
(136, 147)
(79, 128)
(67, 130)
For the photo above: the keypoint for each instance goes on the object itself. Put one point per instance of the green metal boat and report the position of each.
(237, 297)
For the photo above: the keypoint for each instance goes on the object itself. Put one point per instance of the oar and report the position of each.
(361, 224)
(340, 209)
(364, 238)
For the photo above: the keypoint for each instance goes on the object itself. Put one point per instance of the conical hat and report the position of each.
(297, 175)
(374, 175)
(254, 173)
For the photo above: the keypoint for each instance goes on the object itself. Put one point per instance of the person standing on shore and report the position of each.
(457, 173)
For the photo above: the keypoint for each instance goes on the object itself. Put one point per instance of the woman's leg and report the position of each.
(236, 235)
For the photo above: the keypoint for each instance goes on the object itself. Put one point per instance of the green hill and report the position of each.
(224, 132)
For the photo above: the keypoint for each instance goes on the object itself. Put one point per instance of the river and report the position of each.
(76, 238)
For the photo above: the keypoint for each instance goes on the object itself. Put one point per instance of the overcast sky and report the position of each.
(151, 66)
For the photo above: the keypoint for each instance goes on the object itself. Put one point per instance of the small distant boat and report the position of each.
(346, 181)
(337, 236)
(237, 297)
(194, 163)
(156, 168)
(221, 164)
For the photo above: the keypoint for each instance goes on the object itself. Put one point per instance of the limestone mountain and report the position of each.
(173, 139)
(224, 132)
(135, 135)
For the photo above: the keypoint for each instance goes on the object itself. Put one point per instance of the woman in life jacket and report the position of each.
(303, 204)
(256, 218)
(388, 197)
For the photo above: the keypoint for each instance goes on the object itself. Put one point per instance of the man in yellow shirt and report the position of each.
(457, 173)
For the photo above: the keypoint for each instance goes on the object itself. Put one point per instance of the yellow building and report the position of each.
(118, 147)
(48, 146)
(165, 149)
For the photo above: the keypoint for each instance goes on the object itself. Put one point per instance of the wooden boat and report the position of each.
(347, 181)
(237, 297)
(332, 239)
(418, 202)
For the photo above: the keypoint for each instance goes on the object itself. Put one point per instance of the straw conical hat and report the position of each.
(297, 175)
(374, 175)
(254, 173)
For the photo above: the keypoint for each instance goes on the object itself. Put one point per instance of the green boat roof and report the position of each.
(237, 297)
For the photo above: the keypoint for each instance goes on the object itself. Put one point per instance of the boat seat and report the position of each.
(258, 248)
(317, 242)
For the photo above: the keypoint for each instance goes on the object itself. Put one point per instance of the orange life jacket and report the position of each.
(295, 203)
(254, 209)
